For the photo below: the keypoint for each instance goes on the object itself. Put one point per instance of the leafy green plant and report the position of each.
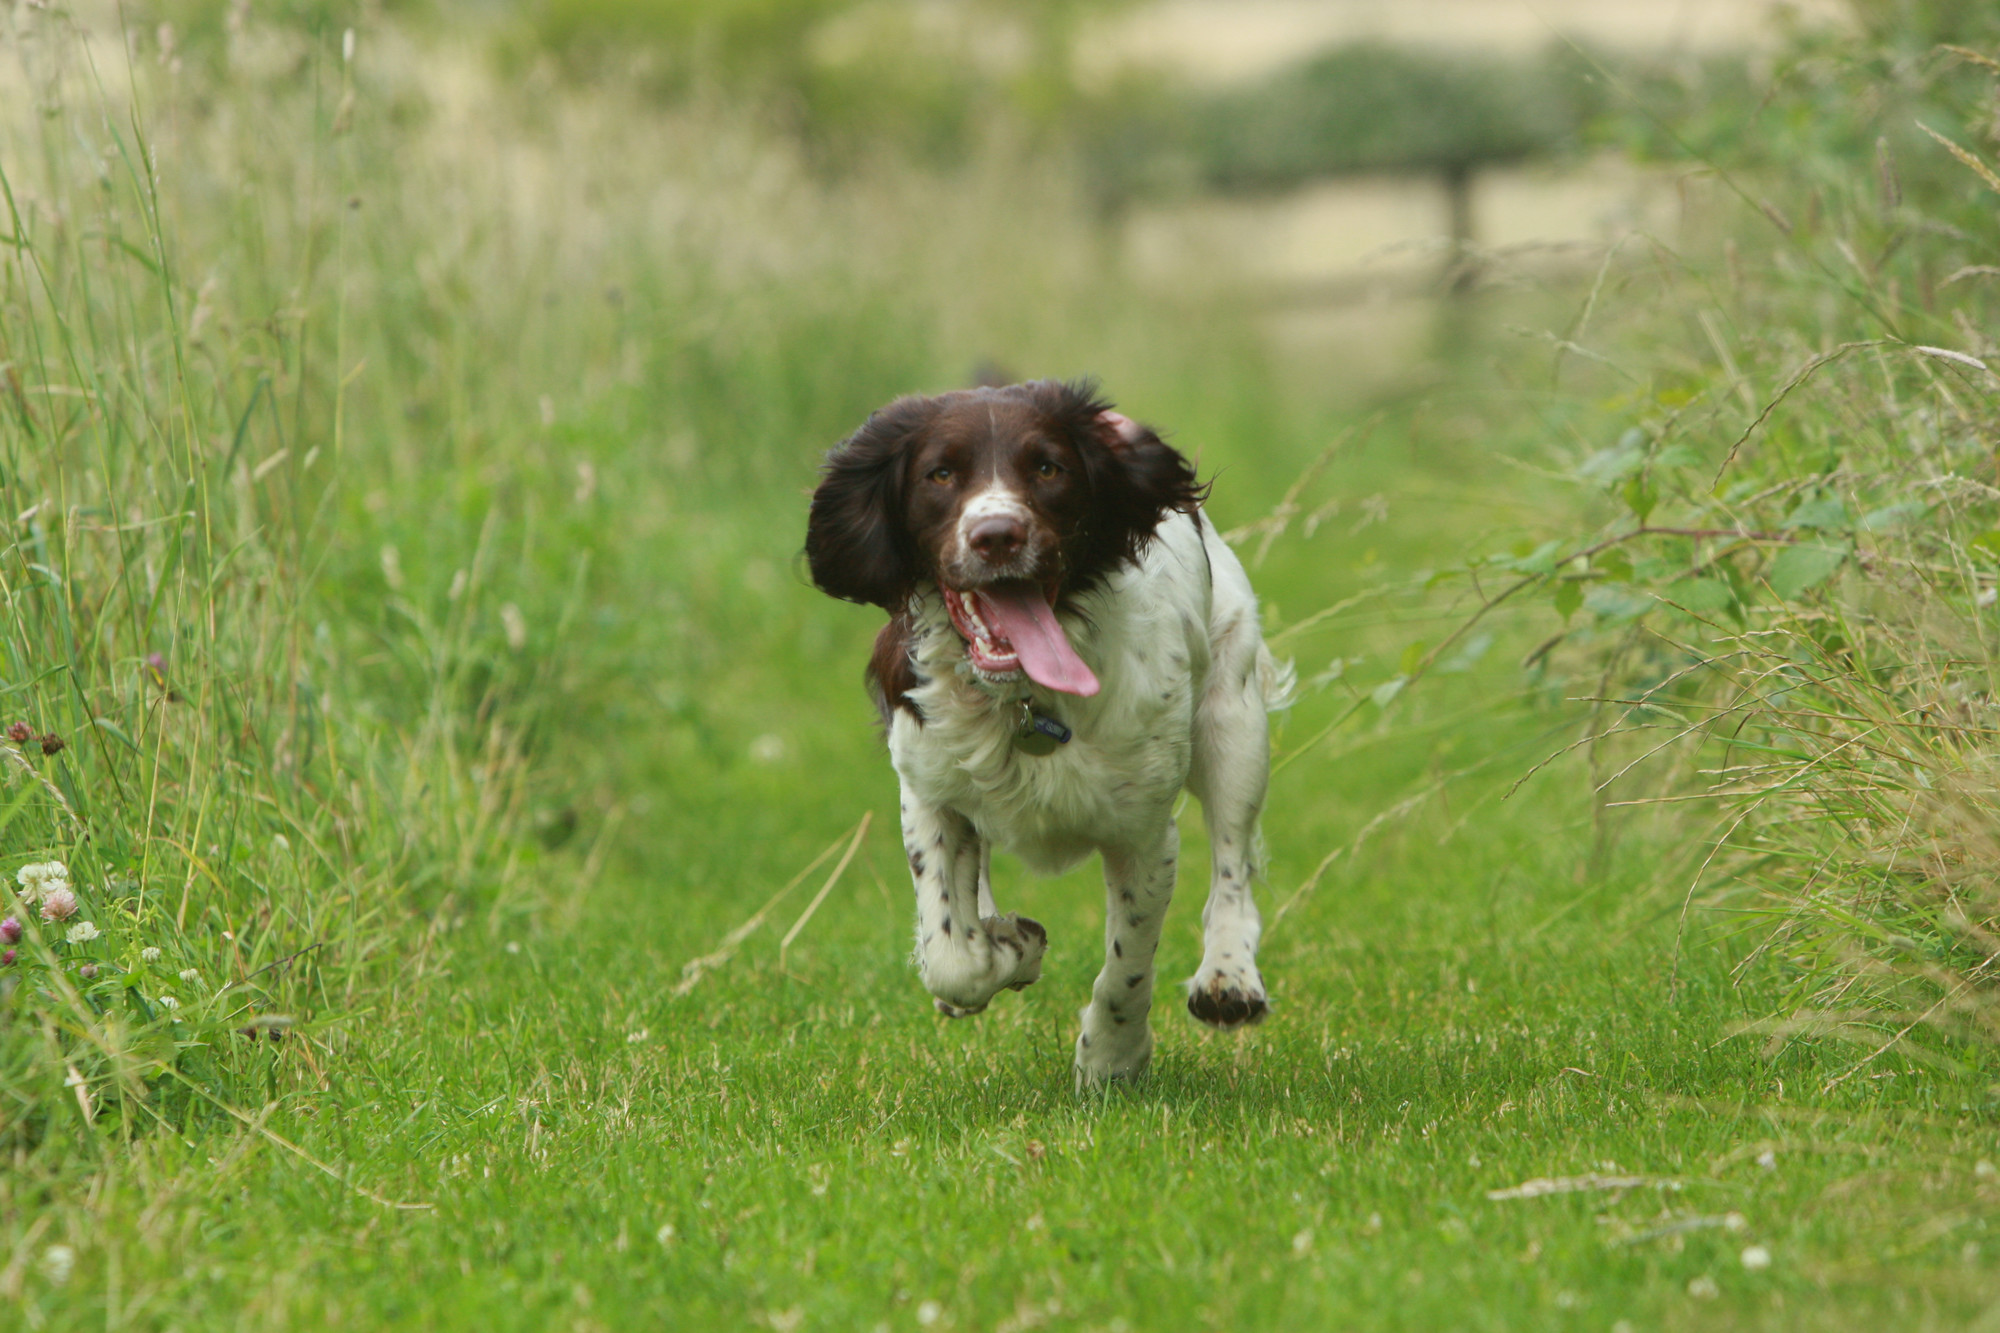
(1787, 614)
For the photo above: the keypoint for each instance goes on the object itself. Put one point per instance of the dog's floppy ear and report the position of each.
(856, 544)
(1136, 478)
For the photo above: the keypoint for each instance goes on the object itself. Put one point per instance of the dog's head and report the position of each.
(1008, 499)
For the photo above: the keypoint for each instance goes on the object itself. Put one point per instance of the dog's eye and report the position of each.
(940, 474)
(1046, 469)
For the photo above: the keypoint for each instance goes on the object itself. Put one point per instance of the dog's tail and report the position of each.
(1279, 681)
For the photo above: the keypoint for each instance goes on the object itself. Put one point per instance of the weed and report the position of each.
(1787, 616)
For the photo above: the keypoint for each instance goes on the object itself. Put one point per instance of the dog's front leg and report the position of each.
(1117, 1041)
(965, 955)
(1232, 766)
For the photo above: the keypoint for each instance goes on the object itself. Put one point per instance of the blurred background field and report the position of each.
(408, 412)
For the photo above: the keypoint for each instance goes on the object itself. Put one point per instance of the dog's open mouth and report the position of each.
(1011, 627)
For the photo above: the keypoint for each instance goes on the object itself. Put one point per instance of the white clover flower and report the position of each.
(1756, 1258)
(58, 904)
(149, 954)
(168, 1002)
(38, 879)
(32, 876)
(82, 932)
(190, 976)
(58, 1262)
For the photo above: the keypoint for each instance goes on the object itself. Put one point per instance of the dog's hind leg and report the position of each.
(966, 953)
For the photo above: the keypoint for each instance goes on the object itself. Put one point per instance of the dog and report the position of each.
(1070, 645)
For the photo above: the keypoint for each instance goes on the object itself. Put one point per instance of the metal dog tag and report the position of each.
(1038, 735)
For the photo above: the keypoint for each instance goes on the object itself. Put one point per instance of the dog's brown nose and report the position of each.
(997, 538)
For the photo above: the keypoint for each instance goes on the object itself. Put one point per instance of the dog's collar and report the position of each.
(1036, 733)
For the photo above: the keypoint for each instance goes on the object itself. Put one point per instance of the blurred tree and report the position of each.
(1367, 108)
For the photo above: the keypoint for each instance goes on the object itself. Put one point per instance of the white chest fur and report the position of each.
(1146, 633)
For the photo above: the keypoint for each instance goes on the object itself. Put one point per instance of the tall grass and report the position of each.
(383, 465)
(286, 769)
(1785, 622)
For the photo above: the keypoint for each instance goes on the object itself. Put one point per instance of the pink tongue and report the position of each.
(1019, 613)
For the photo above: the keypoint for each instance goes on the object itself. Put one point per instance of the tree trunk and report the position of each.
(1461, 268)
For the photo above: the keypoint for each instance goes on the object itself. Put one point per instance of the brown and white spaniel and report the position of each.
(1070, 644)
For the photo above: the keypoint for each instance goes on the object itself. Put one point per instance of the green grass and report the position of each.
(818, 1140)
(574, 367)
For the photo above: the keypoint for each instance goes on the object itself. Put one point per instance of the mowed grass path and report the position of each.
(815, 1148)
(1468, 1003)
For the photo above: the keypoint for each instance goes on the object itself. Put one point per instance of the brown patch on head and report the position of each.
(1035, 481)
(995, 485)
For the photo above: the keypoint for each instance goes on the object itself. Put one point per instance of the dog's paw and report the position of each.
(1104, 1058)
(1007, 955)
(1023, 937)
(1228, 998)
